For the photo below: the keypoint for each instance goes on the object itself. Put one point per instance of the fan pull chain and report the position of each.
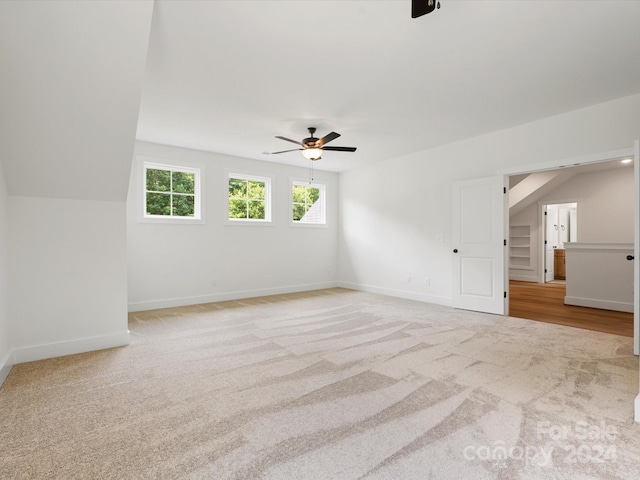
(311, 172)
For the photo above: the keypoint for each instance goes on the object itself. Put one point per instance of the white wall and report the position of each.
(72, 77)
(173, 265)
(68, 276)
(605, 211)
(392, 212)
(605, 215)
(5, 343)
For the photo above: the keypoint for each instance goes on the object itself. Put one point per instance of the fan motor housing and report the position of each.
(309, 142)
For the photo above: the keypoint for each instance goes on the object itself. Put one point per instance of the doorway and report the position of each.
(594, 162)
(560, 226)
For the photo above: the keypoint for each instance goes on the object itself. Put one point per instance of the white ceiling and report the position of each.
(227, 76)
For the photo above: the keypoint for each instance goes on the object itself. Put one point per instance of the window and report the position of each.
(171, 192)
(308, 203)
(249, 198)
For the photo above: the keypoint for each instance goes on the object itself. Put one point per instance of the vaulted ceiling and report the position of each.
(79, 81)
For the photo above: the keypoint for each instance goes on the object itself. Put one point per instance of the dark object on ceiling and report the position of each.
(422, 7)
(313, 147)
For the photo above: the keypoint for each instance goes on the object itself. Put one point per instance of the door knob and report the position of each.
(630, 257)
(455, 250)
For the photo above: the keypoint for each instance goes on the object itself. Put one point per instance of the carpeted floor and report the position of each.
(332, 384)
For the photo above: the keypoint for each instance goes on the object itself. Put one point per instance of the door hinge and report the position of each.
(505, 242)
(545, 213)
(505, 189)
(505, 294)
(545, 242)
(545, 270)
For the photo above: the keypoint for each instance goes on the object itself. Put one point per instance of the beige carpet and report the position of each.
(331, 384)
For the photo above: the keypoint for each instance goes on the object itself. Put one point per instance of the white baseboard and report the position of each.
(420, 297)
(636, 409)
(603, 304)
(5, 367)
(221, 297)
(60, 349)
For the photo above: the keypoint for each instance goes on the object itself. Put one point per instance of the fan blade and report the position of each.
(289, 140)
(285, 151)
(340, 149)
(327, 138)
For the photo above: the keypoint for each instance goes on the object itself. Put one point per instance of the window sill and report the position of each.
(249, 223)
(307, 225)
(172, 220)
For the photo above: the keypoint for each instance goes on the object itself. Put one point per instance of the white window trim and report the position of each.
(148, 162)
(268, 220)
(323, 198)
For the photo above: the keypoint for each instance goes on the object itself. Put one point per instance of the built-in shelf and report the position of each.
(520, 247)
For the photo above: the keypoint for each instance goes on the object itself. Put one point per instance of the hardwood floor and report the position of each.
(545, 302)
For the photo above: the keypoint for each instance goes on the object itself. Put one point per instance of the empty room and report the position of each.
(272, 239)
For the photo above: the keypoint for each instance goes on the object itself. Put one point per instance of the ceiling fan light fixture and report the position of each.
(312, 147)
(312, 153)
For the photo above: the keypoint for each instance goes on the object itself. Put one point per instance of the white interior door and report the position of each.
(549, 273)
(479, 251)
(636, 253)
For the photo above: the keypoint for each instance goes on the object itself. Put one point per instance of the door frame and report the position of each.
(542, 225)
(631, 152)
(545, 264)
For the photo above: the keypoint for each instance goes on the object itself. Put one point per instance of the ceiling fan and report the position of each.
(312, 147)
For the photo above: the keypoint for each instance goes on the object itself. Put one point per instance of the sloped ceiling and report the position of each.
(227, 76)
(529, 188)
(71, 77)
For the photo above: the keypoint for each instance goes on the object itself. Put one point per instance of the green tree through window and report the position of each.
(248, 198)
(170, 192)
(307, 203)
